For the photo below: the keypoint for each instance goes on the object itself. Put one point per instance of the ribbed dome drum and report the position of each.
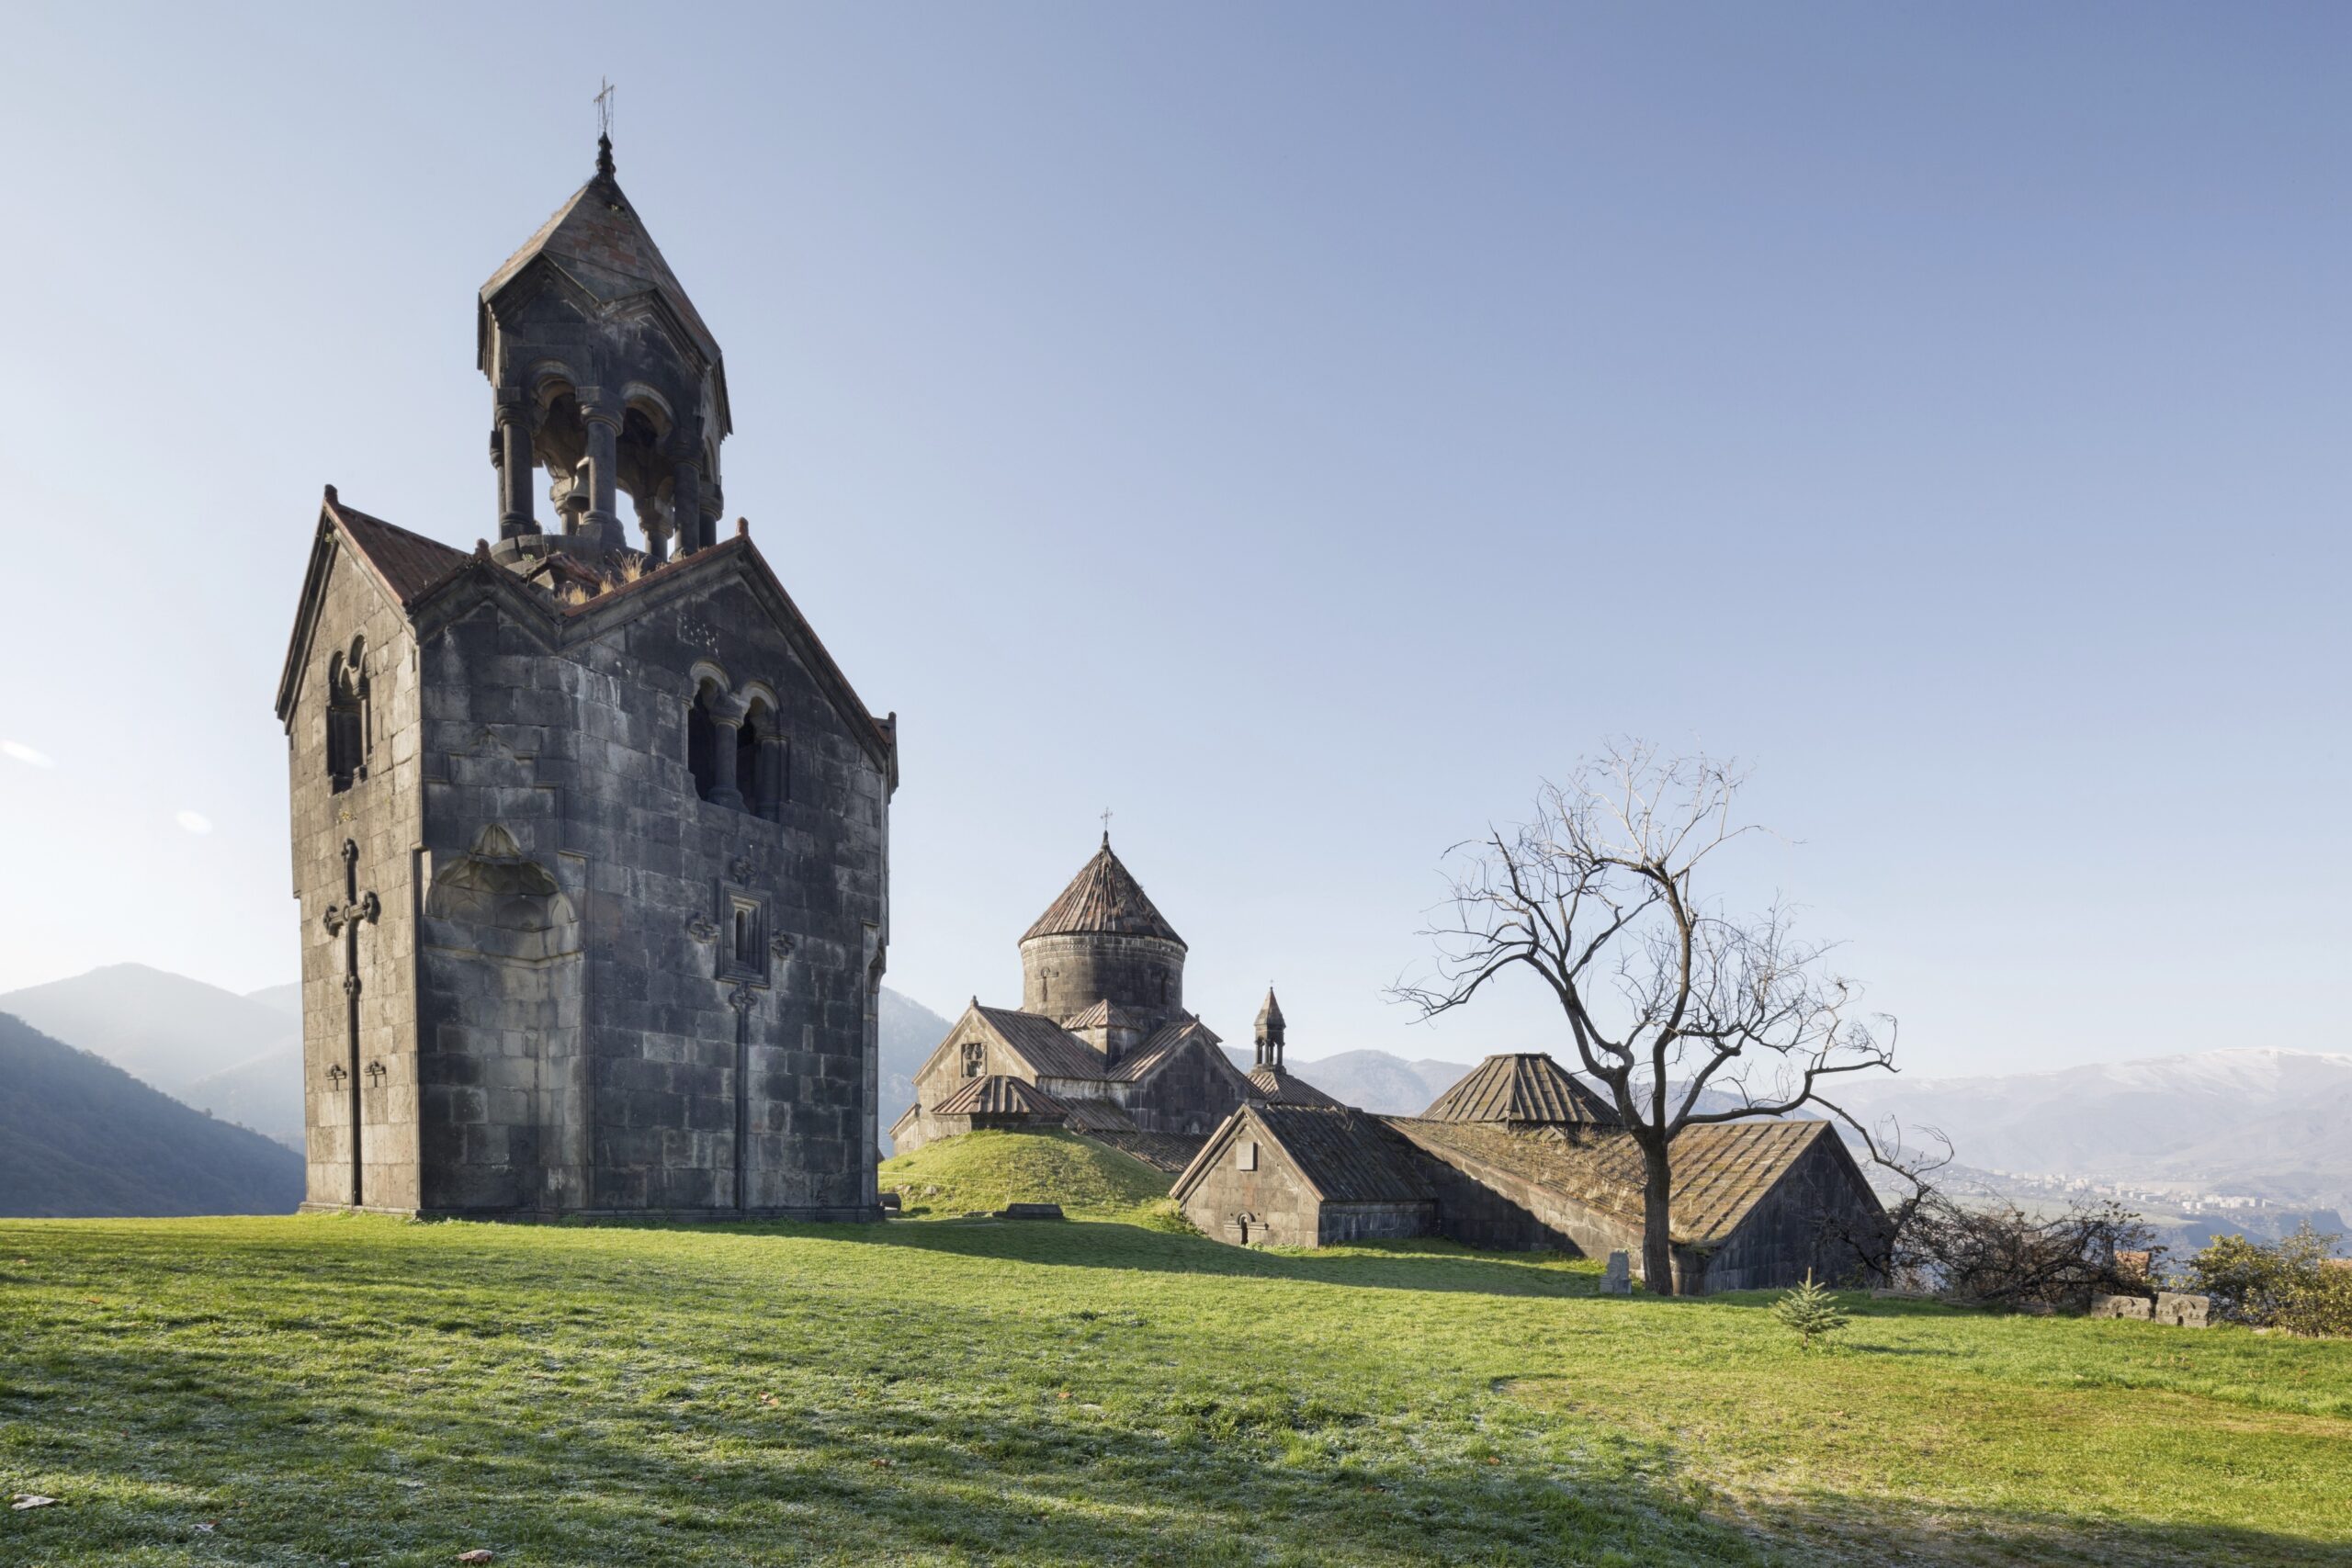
(1103, 941)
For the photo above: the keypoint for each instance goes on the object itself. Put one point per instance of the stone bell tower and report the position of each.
(591, 841)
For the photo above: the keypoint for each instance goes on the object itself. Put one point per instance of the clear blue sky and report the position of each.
(1298, 428)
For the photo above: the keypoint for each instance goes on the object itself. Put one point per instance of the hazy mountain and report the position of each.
(1371, 1080)
(166, 1030)
(80, 1137)
(2260, 1120)
(265, 1093)
(910, 1033)
(286, 998)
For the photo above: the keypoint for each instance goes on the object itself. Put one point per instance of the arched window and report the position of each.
(350, 718)
(702, 740)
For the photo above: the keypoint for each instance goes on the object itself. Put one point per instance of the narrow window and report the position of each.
(1246, 1155)
(702, 743)
(742, 935)
(748, 780)
(347, 716)
(975, 1058)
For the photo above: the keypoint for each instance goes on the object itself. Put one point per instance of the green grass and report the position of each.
(328, 1390)
(984, 1171)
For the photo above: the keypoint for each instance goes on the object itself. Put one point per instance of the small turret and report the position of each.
(1270, 1032)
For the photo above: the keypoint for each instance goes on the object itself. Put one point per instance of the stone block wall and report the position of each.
(380, 814)
(599, 1045)
(1269, 1203)
(1062, 976)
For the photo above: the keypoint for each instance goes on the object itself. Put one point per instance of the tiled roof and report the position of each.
(1164, 1042)
(1051, 1051)
(1090, 1115)
(1170, 1152)
(998, 1095)
(1346, 1155)
(409, 563)
(1530, 1086)
(1102, 897)
(1281, 1087)
(598, 242)
(1722, 1170)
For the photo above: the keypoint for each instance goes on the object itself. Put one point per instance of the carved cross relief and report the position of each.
(344, 920)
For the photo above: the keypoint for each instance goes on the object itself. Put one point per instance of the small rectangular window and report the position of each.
(1246, 1155)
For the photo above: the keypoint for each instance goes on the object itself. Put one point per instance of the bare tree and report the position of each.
(1672, 1004)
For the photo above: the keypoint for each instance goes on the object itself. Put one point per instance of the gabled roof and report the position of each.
(999, 1095)
(410, 564)
(1525, 1086)
(1345, 1156)
(1102, 898)
(1722, 1170)
(1160, 1048)
(1281, 1087)
(597, 241)
(1049, 1050)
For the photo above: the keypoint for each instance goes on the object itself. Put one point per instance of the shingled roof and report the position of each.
(1051, 1051)
(999, 1095)
(1526, 1087)
(1345, 1156)
(1281, 1087)
(1104, 898)
(1722, 1170)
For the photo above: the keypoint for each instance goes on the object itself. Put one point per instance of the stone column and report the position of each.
(510, 451)
(685, 505)
(726, 730)
(603, 524)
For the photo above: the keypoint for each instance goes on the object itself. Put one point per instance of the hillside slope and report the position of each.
(987, 1170)
(163, 1029)
(80, 1137)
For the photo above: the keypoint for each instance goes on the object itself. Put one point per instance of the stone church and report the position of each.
(1101, 1044)
(591, 837)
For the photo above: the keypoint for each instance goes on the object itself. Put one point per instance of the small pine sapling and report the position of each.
(1810, 1311)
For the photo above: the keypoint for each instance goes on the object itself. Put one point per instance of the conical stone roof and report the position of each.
(1528, 1086)
(598, 239)
(1103, 899)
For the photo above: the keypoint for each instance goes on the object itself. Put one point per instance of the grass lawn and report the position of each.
(987, 1170)
(329, 1390)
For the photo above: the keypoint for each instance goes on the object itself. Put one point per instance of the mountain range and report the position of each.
(2258, 1121)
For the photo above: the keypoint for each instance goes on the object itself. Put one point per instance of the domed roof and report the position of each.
(1104, 898)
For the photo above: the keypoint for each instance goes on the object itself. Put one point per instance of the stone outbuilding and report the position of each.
(1308, 1176)
(1521, 1153)
(590, 839)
